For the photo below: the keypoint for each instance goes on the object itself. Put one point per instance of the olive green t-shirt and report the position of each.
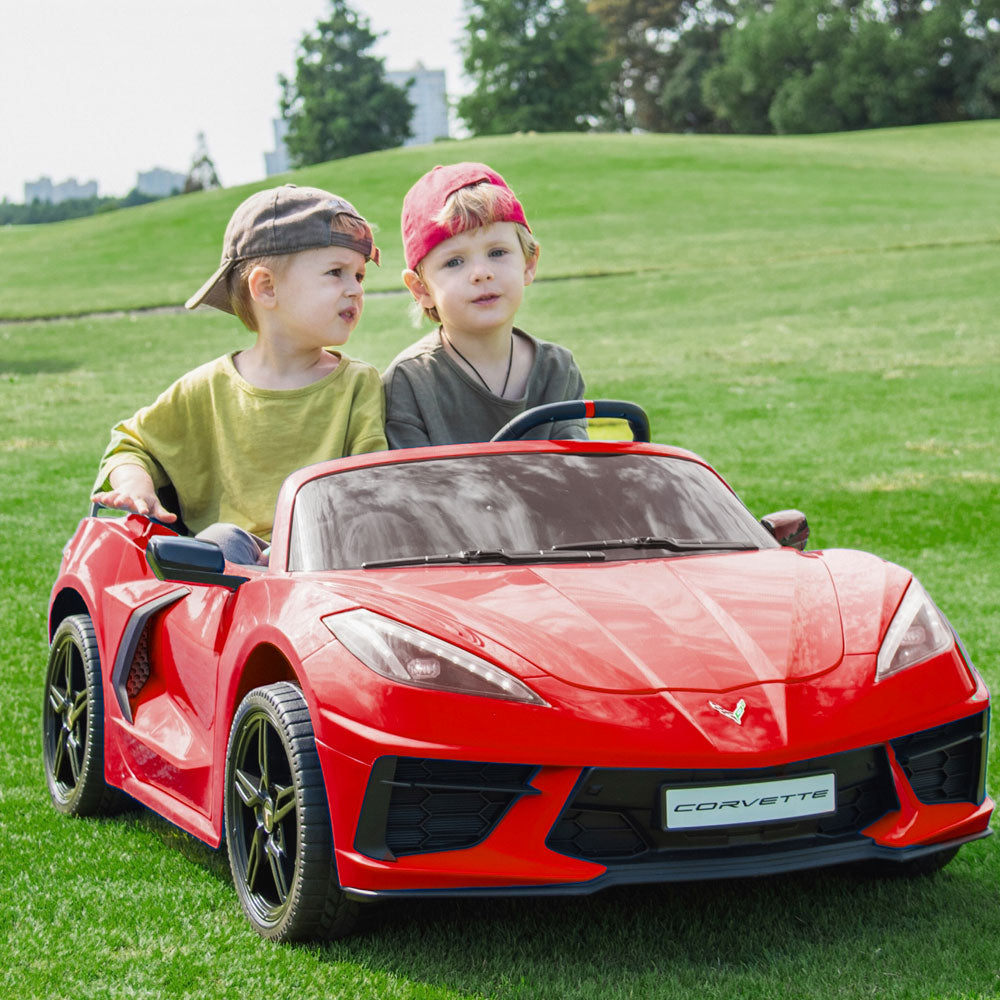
(226, 446)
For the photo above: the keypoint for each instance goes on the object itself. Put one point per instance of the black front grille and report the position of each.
(946, 763)
(614, 814)
(417, 805)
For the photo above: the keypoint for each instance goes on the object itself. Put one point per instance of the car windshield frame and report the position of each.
(511, 507)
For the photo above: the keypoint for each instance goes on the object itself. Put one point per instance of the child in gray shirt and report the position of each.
(469, 257)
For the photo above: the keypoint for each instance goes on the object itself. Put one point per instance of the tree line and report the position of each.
(746, 66)
(36, 212)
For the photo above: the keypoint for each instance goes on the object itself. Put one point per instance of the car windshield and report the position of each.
(529, 507)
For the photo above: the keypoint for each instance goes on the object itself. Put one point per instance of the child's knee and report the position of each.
(237, 544)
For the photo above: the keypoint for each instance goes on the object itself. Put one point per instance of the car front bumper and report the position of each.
(416, 825)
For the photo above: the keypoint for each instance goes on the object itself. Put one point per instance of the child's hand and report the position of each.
(132, 489)
(145, 504)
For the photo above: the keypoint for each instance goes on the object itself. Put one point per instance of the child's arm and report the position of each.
(132, 489)
(130, 471)
(401, 434)
(366, 417)
(404, 424)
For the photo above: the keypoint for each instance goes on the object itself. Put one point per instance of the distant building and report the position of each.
(277, 162)
(430, 102)
(427, 94)
(160, 183)
(44, 190)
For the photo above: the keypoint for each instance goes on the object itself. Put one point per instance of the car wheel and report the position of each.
(73, 722)
(278, 821)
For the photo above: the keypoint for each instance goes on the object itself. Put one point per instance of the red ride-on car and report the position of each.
(515, 667)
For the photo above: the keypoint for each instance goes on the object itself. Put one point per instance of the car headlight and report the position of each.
(917, 632)
(407, 655)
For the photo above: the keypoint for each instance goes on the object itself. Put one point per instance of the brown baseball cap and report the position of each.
(277, 221)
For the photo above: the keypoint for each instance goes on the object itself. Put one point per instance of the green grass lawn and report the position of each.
(814, 315)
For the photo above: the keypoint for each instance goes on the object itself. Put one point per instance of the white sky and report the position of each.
(104, 89)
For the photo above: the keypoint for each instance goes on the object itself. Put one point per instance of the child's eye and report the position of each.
(499, 251)
(360, 277)
(453, 262)
(334, 272)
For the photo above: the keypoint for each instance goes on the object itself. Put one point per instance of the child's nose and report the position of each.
(483, 269)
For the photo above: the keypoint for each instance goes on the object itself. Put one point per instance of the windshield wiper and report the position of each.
(558, 553)
(660, 542)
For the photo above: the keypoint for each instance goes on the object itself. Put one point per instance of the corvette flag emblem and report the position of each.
(736, 714)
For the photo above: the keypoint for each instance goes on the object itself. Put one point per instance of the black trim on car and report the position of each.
(131, 635)
(695, 869)
(946, 763)
(420, 805)
(613, 816)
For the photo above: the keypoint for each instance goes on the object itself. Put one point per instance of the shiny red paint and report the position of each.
(628, 681)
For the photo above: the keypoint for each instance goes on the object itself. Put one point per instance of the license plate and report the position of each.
(753, 802)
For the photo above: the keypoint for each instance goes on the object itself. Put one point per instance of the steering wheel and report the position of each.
(577, 409)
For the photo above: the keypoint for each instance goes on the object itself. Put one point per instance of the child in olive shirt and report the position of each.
(227, 434)
(469, 257)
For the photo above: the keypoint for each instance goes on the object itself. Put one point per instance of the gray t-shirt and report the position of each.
(429, 399)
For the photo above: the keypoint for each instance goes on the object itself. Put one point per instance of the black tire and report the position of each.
(278, 821)
(73, 723)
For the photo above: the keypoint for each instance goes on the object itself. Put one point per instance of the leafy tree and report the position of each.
(202, 176)
(829, 65)
(983, 94)
(680, 105)
(771, 48)
(340, 103)
(963, 37)
(639, 34)
(537, 65)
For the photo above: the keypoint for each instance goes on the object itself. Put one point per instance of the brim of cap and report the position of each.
(214, 292)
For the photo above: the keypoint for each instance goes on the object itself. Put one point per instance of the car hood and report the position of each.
(710, 622)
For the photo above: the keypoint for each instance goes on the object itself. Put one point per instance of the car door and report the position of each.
(164, 677)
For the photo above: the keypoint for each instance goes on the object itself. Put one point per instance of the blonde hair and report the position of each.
(238, 279)
(468, 208)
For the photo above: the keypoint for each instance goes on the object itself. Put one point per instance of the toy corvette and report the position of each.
(521, 666)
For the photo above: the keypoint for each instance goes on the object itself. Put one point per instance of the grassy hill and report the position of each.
(815, 315)
(602, 204)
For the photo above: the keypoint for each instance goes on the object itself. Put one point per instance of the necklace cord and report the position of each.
(510, 362)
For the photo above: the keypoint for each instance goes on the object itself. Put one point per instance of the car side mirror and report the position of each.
(189, 560)
(789, 527)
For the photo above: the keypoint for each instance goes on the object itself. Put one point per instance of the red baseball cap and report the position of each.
(424, 202)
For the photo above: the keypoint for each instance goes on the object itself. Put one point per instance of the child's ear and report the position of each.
(260, 283)
(531, 266)
(418, 289)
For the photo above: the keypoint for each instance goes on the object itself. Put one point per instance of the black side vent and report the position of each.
(947, 763)
(140, 668)
(417, 805)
